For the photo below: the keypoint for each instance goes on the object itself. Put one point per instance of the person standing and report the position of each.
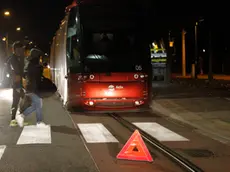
(15, 65)
(33, 72)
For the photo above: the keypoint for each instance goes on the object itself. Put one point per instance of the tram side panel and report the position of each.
(58, 61)
(62, 62)
(52, 60)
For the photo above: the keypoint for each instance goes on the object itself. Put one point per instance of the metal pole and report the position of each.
(169, 59)
(196, 51)
(7, 44)
(183, 54)
(210, 74)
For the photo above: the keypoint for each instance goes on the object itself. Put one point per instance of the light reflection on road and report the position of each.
(6, 94)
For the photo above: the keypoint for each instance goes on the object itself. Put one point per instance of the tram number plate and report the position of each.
(112, 103)
(118, 103)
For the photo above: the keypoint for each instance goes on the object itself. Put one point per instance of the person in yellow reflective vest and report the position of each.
(46, 71)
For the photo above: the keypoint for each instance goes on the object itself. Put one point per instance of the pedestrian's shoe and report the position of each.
(41, 124)
(13, 123)
(20, 120)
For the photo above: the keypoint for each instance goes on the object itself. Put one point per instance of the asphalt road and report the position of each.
(91, 142)
(176, 90)
(55, 148)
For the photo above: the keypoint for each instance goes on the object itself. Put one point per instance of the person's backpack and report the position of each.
(46, 88)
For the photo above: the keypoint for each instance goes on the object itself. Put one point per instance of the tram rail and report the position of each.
(175, 157)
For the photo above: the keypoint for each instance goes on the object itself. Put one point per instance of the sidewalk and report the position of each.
(207, 115)
(218, 82)
(205, 76)
(58, 146)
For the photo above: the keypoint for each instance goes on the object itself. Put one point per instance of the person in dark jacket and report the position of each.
(15, 65)
(33, 75)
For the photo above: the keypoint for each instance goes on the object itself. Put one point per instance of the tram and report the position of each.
(100, 58)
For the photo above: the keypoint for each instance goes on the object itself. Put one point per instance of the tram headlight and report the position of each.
(91, 103)
(142, 76)
(137, 103)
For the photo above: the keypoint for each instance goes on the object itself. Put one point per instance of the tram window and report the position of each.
(110, 43)
(72, 17)
(73, 43)
(73, 54)
(102, 43)
(116, 45)
(115, 51)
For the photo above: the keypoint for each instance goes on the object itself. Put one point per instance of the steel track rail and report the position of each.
(178, 159)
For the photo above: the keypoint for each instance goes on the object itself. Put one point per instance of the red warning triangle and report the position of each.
(135, 149)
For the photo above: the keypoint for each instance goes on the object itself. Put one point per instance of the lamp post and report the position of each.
(194, 65)
(6, 39)
(7, 14)
(210, 73)
(7, 44)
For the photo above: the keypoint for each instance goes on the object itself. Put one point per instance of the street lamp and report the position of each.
(6, 13)
(18, 29)
(4, 39)
(196, 50)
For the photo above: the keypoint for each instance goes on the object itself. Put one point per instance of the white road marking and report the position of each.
(2, 150)
(159, 132)
(96, 133)
(35, 135)
(227, 99)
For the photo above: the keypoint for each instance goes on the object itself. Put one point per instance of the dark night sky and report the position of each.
(40, 18)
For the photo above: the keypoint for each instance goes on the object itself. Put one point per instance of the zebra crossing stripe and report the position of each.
(35, 135)
(159, 132)
(2, 150)
(96, 133)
